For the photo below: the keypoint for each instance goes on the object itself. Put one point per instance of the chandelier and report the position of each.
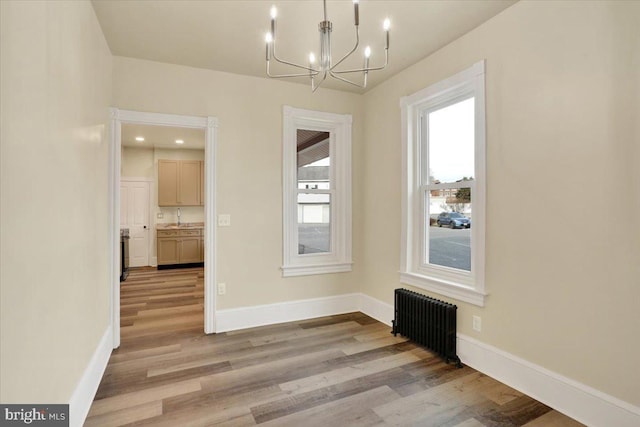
(326, 66)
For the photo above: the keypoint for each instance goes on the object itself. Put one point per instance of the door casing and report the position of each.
(210, 126)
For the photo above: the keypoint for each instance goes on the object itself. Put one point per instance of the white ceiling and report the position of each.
(162, 137)
(229, 35)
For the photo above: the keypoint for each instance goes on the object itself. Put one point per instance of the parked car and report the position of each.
(453, 220)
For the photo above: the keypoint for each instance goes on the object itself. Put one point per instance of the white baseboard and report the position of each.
(372, 307)
(576, 400)
(85, 391)
(290, 311)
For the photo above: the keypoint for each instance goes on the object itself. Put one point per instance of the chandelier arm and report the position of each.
(350, 52)
(280, 76)
(294, 65)
(291, 63)
(313, 83)
(360, 70)
(362, 86)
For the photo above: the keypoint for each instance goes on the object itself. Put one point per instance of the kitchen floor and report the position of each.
(158, 303)
(340, 370)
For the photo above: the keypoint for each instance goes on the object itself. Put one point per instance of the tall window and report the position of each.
(314, 191)
(444, 182)
(317, 192)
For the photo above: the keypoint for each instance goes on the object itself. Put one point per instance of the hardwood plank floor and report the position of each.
(345, 370)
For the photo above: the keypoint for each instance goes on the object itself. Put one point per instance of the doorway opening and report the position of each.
(137, 205)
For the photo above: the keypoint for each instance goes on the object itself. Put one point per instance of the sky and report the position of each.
(451, 141)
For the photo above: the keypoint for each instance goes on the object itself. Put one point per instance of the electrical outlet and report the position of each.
(222, 288)
(159, 215)
(224, 220)
(477, 323)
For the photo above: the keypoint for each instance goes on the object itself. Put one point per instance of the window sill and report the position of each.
(449, 289)
(308, 270)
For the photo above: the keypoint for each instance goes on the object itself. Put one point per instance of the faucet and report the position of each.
(179, 216)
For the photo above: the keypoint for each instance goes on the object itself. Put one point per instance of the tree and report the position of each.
(463, 195)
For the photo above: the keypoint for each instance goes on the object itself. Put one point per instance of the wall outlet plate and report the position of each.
(222, 288)
(224, 220)
(159, 215)
(477, 323)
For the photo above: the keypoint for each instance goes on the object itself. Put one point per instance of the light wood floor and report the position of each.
(345, 370)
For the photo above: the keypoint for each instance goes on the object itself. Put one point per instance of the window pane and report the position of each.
(449, 228)
(314, 223)
(451, 142)
(313, 160)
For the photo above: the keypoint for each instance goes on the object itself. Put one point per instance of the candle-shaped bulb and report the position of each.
(386, 26)
(274, 12)
(312, 58)
(367, 54)
(268, 38)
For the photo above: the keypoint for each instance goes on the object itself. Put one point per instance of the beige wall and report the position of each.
(170, 154)
(137, 162)
(563, 275)
(249, 168)
(56, 87)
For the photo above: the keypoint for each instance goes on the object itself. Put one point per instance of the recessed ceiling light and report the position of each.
(179, 141)
(139, 138)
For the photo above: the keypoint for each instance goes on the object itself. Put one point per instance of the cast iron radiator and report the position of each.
(427, 321)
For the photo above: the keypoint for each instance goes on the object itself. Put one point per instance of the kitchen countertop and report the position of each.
(183, 226)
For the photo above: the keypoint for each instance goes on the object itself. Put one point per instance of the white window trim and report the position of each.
(339, 259)
(462, 285)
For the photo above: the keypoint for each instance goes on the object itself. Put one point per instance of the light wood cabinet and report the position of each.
(201, 182)
(179, 182)
(190, 249)
(179, 246)
(168, 172)
(189, 183)
(168, 251)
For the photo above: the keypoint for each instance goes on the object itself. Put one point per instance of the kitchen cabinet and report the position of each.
(202, 183)
(168, 182)
(189, 183)
(168, 252)
(179, 182)
(179, 246)
(189, 250)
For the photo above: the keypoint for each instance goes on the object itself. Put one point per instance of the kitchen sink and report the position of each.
(178, 227)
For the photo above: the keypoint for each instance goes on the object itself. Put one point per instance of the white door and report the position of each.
(134, 215)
